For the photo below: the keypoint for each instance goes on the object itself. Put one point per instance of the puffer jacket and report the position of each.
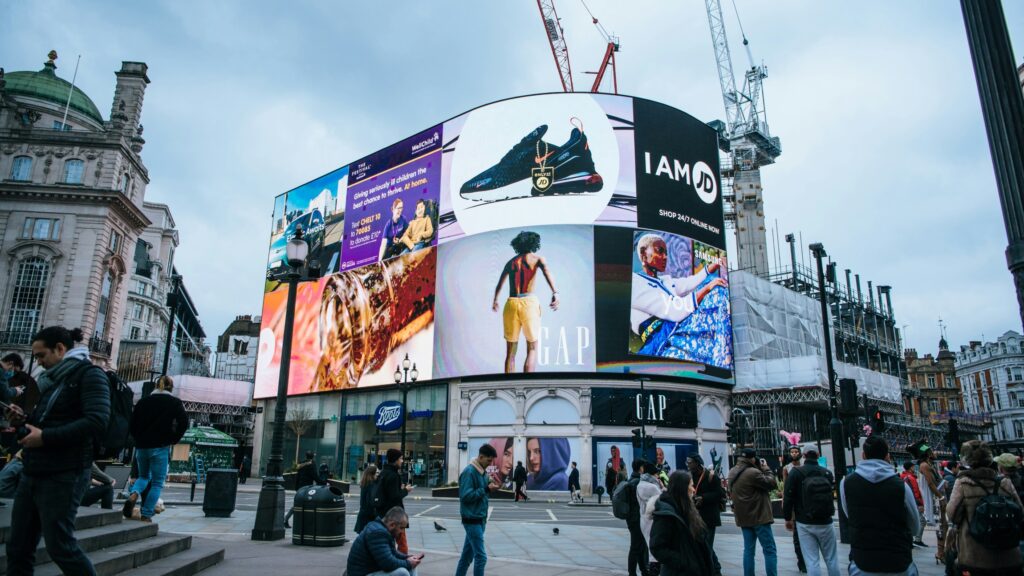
(79, 414)
(970, 487)
(750, 488)
(673, 545)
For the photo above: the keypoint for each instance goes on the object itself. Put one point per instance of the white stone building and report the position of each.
(71, 206)
(236, 349)
(991, 375)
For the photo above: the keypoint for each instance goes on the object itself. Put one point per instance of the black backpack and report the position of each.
(816, 493)
(625, 506)
(996, 523)
(110, 443)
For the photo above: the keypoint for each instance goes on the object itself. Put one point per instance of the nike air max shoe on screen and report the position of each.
(516, 165)
(573, 169)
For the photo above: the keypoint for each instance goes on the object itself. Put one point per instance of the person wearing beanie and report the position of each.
(971, 486)
(391, 492)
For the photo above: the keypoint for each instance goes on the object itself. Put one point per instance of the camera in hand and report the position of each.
(21, 432)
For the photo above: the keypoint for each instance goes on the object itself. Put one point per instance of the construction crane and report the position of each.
(747, 145)
(560, 50)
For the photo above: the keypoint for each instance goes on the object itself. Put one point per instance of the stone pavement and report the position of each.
(513, 547)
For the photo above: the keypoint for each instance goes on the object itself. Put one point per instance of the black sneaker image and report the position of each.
(516, 165)
(573, 169)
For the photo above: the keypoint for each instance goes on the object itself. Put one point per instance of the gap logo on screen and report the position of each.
(389, 415)
(563, 345)
(700, 176)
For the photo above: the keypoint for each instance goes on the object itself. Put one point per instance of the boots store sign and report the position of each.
(389, 416)
(615, 407)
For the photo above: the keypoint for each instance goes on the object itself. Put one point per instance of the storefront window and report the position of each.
(424, 434)
(311, 424)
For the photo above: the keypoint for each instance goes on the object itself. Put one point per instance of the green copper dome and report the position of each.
(45, 85)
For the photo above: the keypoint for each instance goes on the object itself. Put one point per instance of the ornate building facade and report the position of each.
(71, 206)
(991, 375)
(935, 383)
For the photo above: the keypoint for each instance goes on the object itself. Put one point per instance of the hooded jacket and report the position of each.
(673, 545)
(554, 459)
(876, 543)
(751, 500)
(971, 486)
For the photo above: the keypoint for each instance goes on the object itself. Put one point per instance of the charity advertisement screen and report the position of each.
(572, 233)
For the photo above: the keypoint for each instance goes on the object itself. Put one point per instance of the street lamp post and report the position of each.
(269, 523)
(172, 301)
(835, 424)
(403, 375)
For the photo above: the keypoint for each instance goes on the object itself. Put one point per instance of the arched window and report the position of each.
(493, 411)
(553, 410)
(27, 299)
(73, 170)
(21, 170)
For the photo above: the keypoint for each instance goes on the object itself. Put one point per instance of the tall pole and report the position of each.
(1002, 106)
(173, 312)
(270, 509)
(835, 424)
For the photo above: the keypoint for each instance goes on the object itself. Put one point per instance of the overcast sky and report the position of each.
(885, 159)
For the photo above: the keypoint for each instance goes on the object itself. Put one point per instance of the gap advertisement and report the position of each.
(613, 459)
(548, 461)
(517, 300)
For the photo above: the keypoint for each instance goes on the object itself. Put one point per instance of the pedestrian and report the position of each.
(881, 515)
(751, 482)
(638, 554)
(678, 540)
(158, 422)
(1009, 466)
(976, 557)
(932, 497)
(73, 409)
(245, 469)
(648, 490)
(949, 472)
(391, 492)
(574, 485)
(25, 387)
(794, 455)
(374, 554)
(474, 489)
(909, 476)
(519, 478)
(101, 489)
(808, 507)
(708, 498)
(367, 484)
(10, 476)
(306, 474)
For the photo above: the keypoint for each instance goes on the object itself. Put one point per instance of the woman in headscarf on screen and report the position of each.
(501, 468)
(548, 461)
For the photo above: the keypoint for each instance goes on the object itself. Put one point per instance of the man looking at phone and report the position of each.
(751, 481)
(392, 492)
(374, 554)
(474, 489)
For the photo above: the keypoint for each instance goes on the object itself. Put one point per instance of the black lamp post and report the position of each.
(835, 424)
(403, 376)
(270, 509)
(172, 303)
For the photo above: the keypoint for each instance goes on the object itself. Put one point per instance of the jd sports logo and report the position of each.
(702, 178)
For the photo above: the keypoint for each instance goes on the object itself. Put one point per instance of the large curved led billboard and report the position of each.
(572, 233)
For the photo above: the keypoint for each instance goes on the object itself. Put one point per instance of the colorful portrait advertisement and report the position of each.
(393, 201)
(352, 329)
(516, 300)
(620, 347)
(546, 159)
(614, 461)
(548, 462)
(679, 305)
(316, 208)
(501, 469)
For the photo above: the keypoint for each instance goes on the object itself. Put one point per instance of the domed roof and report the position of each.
(45, 85)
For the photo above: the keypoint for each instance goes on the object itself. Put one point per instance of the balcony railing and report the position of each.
(100, 346)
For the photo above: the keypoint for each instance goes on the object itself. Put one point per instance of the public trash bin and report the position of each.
(220, 492)
(319, 518)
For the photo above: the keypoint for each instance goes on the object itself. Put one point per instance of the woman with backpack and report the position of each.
(983, 538)
(367, 512)
(678, 541)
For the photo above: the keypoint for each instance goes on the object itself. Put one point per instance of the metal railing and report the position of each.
(100, 346)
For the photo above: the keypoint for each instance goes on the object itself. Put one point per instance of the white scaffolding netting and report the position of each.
(778, 342)
(190, 388)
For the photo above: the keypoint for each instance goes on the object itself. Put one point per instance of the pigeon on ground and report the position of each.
(439, 528)
(555, 530)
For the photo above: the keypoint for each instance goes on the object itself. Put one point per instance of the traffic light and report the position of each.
(848, 396)
(730, 433)
(877, 420)
(636, 438)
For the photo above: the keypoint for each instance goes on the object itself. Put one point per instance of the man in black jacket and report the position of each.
(519, 479)
(707, 498)
(73, 409)
(808, 507)
(158, 422)
(574, 485)
(638, 554)
(391, 492)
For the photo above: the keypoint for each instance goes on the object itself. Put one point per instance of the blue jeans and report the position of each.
(395, 572)
(762, 533)
(46, 506)
(152, 464)
(816, 538)
(473, 551)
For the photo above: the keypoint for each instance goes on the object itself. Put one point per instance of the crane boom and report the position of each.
(730, 96)
(556, 38)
